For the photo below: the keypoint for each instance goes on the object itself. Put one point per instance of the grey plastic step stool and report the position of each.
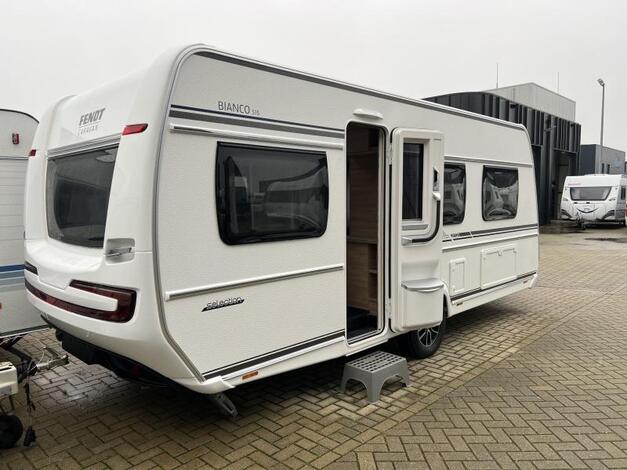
(374, 370)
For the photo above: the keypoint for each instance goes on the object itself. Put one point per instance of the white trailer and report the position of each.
(17, 315)
(594, 199)
(215, 219)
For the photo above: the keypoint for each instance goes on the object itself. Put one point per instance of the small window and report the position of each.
(269, 194)
(500, 193)
(454, 194)
(413, 156)
(622, 193)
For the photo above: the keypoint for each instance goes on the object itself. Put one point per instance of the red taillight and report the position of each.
(124, 312)
(134, 129)
(32, 152)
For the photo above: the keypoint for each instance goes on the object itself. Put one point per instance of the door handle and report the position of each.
(437, 196)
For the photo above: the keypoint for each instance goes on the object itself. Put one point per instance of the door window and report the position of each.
(413, 162)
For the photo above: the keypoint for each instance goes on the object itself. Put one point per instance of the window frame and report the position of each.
(410, 223)
(222, 213)
(463, 166)
(483, 179)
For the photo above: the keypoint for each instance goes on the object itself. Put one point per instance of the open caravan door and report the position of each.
(416, 288)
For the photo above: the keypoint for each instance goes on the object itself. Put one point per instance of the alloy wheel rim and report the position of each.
(427, 336)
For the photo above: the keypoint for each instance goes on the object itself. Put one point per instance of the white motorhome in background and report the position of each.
(17, 315)
(215, 219)
(591, 199)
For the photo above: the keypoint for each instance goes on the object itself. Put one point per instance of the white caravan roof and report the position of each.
(143, 97)
(595, 180)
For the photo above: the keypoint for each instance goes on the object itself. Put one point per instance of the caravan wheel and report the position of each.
(424, 343)
(10, 430)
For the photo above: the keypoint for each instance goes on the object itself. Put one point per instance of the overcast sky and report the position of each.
(50, 49)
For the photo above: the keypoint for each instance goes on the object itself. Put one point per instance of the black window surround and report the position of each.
(499, 191)
(454, 198)
(267, 194)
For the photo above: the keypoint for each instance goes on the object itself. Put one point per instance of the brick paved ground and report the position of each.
(537, 380)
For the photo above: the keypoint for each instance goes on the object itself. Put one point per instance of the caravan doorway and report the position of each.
(364, 233)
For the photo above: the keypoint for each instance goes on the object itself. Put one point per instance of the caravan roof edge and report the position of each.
(6, 110)
(207, 51)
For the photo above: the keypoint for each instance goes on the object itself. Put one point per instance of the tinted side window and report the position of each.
(622, 192)
(268, 194)
(412, 181)
(454, 194)
(500, 193)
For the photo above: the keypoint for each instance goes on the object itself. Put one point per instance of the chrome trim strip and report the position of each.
(256, 137)
(461, 158)
(94, 144)
(485, 242)
(180, 293)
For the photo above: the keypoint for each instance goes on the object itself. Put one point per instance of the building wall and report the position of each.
(592, 160)
(540, 98)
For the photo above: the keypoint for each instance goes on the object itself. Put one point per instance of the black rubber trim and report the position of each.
(22, 331)
(256, 118)
(260, 124)
(435, 231)
(477, 291)
(484, 233)
(272, 355)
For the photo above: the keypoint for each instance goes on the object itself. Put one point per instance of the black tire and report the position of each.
(10, 430)
(421, 344)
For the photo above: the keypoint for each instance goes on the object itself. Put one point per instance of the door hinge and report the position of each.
(388, 307)
(388, 155)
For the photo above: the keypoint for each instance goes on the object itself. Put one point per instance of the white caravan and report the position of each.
(17, 315)
(592, 199)
(216, 219)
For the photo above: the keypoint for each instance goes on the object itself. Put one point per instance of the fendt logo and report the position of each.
(89, 122)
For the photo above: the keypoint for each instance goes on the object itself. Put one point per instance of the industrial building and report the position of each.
(593, 160)
(550, 120)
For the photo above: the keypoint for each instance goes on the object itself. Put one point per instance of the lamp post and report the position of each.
(602, 83)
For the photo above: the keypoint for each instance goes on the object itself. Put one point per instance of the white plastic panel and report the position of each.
(457, 276)
(498, 265)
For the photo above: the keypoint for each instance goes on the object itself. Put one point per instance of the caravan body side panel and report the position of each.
(17, 315)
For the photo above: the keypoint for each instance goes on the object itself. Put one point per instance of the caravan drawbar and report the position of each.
(215, 219)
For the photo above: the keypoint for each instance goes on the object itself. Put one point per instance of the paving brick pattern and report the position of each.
(536, 380)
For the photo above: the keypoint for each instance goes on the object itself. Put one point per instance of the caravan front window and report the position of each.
(590, 193)
(500, 193)
(269, 194)
(77, 196)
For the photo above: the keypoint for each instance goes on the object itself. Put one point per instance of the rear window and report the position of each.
(590, 193)
(269, 194)
(77, 196)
